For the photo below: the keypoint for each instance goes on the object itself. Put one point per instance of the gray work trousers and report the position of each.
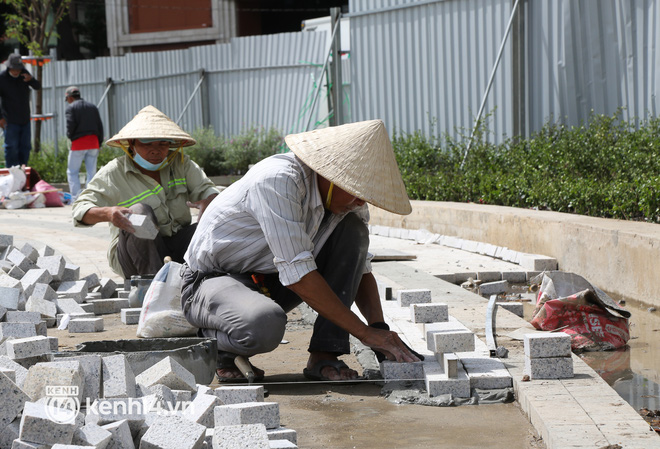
(143, 256)
(232, 309)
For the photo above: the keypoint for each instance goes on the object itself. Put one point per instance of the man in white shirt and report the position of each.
(294, 229)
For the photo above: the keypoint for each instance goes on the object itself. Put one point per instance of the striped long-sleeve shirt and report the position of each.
(272, 220)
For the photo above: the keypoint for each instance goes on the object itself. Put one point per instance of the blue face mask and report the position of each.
(142, 162)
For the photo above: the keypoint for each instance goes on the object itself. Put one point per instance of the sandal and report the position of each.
(315, 372)
(258, 374)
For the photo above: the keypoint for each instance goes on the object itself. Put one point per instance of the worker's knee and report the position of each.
(262, 331)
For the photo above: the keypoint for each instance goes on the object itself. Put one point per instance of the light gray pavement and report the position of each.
(580, 412)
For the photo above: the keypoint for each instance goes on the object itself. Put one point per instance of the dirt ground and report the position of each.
(335, 415)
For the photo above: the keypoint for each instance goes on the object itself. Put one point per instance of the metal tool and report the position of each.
(245, 367)
(491, 325)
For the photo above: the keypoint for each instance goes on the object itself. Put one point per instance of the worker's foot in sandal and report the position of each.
(325, 366)
(233, 374)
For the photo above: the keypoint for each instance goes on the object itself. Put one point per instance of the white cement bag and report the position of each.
(161, 314)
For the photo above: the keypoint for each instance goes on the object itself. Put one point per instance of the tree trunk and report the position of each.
(38, 109)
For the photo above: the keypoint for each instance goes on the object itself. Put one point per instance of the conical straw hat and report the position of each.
(357, 157)
(150, 123)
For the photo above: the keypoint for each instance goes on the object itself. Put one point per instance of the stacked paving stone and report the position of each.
(531, 264)
(160, 408)
(548, 355)
(456, 362)
(39, 287)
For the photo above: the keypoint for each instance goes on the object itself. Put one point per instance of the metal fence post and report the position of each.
(337, 117)
(53, 59)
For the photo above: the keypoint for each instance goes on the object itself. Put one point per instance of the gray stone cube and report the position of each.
(549, 368)
(121, 435)
(493, 288)
(68, 305)
(173, 432)
(73, 289)
(118, 377)
(429, 313)
(486, 373)
(416, 296)
(266, 413)
(550, 344)
(85, 325)
(91, 369)
(535, 262)
(10, 297)
(9, 433)
(92, 435)
(283, 433)
(19, 444)
(54, 264)
(438, 383)
(402, 371)
(93, 281)
(144, 226)
(130, 316)
(15, 272)
(46, 251)
(30, 252)
(107, 287)
(201, 408)
(168, 372)
(19, 259)
(41, 423)
(514, 277)
(253, 436)
(239, 393)
(43, 376)
(43, 291)
(13, 399)
(71, 272)
(46, 308)
(450, 341)
(17, 330)
(19, 316)
(133, 410)
(449, 362)
(21, 372)
(6, 240)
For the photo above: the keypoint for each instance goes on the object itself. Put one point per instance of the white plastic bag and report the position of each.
(161, 314)
(14, 181)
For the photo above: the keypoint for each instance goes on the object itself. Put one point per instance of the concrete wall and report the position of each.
(620, 257)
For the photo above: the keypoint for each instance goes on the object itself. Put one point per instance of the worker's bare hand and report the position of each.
(3, 123)
(201, 205)
(389, 344)
(119, 217)
(27, 77)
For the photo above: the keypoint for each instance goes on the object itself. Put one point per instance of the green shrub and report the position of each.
(249, 147)
(608, 168)
(208, 152)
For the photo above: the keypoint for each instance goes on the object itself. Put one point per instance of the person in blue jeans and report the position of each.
(85, 130)
(15, 84)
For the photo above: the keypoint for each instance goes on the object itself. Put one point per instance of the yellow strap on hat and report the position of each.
(328, 199)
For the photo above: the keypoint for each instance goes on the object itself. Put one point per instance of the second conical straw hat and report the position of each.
(357, 157)
(150, 123)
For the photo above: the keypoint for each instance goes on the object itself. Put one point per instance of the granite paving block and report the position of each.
(46, 251)
(6, 240)
(450, 325)
(449, 363)
(487, 373)
(93, 281)
(46, 308)
(41, 423)
(402, 371)
(239, 394)
(3, 313)
(9, 433)
(30, 252)
(489, 276)
(73, 289)
(201, 408)
(85, 325)
(41, 328)
(535, 262)
(16, 272)
(121, 435)
(144, 226)
(447, 277)
(92, 435)
(19, 444)
(88, 308)
(168, 372)
(8, 281)
(54, 264)
(253, 436)
(54, 343)
(493, 288)
(416, 296)
(27, 362)
(9, 298)
(118, 377)
(450, 341)
(266, 413)
(71, 446)
(104, 306)
(173, 432)
(68, 305)
(91, 368)
(17, 330)
(21, 372)
(429, 313)
(10, 373)
(282, 433)
(107, 287)
(164, 395)
(42, 376)
(438, 383)
(43, 291)
(19, 259)
(514, 277)
(549, 344)
(549, 368)
(515, 307)
(73, 316)
(20, 316)
(181, 396)
(71, 273)
(130, 315)
(13, 399)
(133, 410)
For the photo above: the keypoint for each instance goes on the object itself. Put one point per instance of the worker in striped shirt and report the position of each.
(293, 229)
